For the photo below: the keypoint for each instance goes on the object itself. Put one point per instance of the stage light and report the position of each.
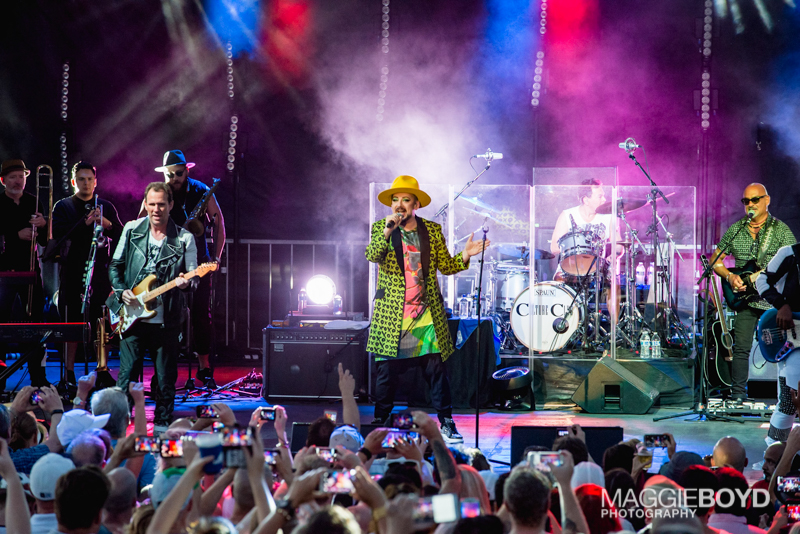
(512, 388)
(320, 289)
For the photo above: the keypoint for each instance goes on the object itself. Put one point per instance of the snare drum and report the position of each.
(509, 280)
(546, 302)
(578, 250)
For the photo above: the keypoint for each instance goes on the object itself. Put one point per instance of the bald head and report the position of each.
(771, 458)
(729, 451)
(123, 491)
(755, 189)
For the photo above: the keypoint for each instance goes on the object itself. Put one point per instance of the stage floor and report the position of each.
(495, 426)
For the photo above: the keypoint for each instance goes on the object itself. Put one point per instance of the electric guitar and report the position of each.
(737, 300)
(719, 327)
(777, 344)
(145, 294)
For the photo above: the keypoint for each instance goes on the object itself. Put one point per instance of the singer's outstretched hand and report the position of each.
(473, 248)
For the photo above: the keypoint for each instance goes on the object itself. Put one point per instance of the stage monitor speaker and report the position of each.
(598, 439)
(301, 363)
(610, 388)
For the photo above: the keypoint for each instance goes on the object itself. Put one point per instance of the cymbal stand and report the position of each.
(633, 319)
(671, 317)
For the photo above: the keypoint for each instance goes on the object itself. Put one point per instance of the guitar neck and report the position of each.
(718, 304)
(160, 290)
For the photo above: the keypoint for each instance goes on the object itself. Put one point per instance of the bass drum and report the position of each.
(546, 302)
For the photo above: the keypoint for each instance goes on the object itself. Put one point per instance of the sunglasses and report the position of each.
(754, 200)
(179, 174)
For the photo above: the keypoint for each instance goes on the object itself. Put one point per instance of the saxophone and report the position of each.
(194, 222)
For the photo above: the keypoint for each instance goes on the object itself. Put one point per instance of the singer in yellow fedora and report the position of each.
(409, 327)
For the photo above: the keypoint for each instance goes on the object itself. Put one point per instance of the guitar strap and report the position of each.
(762, 253)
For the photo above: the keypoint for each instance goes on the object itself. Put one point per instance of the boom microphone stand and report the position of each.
(485, 230)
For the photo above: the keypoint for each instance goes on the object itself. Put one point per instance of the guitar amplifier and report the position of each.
(302, 362)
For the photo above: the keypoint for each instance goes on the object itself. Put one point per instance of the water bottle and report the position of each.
(644, 345)
(463, 307)
(650, 276)
(640, 274)
(302, 300)
(655, 346)
(337, 305)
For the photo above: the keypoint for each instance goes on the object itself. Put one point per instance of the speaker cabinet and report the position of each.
(301, 363)
(610, 388)
(598, 439)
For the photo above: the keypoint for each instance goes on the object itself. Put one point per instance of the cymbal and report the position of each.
(520, 250)
(481, 204)
(625, 205)
(542, 254)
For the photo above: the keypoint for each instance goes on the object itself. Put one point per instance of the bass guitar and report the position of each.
(777, 344)
(738, 300)
(145, 294)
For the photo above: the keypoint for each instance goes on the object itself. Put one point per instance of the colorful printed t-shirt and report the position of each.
(417, 335)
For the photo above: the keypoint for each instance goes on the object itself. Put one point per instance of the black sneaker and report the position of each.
(204, 375)
(449, 431)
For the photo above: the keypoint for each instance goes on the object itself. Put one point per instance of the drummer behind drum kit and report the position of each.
(566, 314)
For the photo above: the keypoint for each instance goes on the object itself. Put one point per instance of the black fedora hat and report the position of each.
(11, 165)
(174, 157)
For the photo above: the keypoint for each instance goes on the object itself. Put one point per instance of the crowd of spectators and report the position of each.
(79, 473)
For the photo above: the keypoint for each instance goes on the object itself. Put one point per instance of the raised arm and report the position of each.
(347, 386)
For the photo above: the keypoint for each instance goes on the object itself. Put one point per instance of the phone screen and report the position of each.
(656, 440)
(331, 414)
(544, 460)
(146, 444)
(237, 437)
(171, 448)
(208, 411)
(36, 397)
(267, 414)
(395, 436)
(403, 421)
(336, 481)
(788, 484)
(270, 456)
(563, 432)
(470, 508)
(794, 511)
(326, 453)
(437, 509)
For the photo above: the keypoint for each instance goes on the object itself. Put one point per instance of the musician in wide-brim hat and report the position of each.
(409, 327)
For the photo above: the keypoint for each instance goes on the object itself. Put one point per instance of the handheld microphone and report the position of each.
(392, 223)
(629, 145)
(489, 155)
(751, 213)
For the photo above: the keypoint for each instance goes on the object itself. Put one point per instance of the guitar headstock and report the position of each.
(206, 268)
(704, 261)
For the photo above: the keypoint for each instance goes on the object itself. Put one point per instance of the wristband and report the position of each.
(58, 411)
(379, 513)
(366, 452)
(728, 277)
(77, 401)
(285, 509)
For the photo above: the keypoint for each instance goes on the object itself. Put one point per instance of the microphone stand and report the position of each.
(485, 230)
(441, 210)
(87, 283)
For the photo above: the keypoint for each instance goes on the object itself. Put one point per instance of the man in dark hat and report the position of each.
(21, 221)
(76, 221)
(188, 193)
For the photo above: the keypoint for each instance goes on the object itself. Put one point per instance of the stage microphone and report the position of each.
(489, 155)
(560, 325)
(391, 223)
(629, 145)
(751, 213)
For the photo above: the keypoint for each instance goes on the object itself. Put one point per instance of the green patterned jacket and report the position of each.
(387, 315)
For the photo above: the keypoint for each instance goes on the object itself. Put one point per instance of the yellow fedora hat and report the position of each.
(404, 184)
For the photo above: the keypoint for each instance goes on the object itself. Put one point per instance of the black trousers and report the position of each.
(744, 324)
(162, 344)
(435, 374)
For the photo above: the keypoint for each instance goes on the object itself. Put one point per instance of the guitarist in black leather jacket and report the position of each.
(153, 245)
(752, 240)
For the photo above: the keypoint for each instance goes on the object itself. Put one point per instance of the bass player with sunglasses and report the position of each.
(752, 240)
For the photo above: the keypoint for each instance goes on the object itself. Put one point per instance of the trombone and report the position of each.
(47, 171)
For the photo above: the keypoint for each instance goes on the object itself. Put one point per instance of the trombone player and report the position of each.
(23, 227)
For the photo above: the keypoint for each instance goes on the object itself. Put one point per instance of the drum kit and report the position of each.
(566, 313)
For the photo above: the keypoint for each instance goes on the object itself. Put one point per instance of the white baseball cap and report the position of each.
(45, 474)
(347, 436)
(76, 421)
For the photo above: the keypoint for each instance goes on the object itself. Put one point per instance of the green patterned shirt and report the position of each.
(772, 236)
